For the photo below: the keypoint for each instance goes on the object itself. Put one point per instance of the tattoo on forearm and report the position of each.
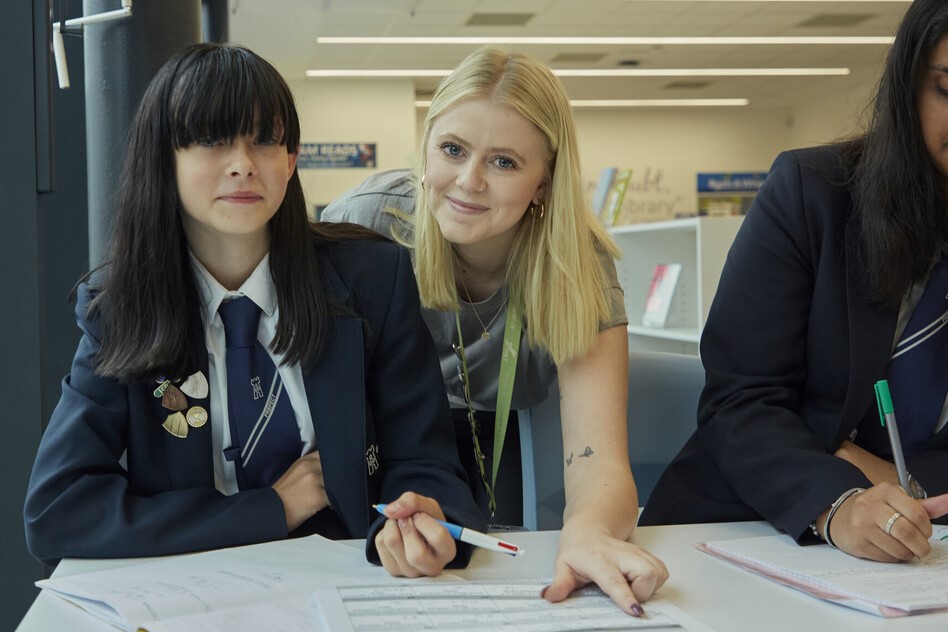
(586, 453)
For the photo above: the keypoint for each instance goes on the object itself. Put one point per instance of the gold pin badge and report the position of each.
(176, 425)
(196, 416)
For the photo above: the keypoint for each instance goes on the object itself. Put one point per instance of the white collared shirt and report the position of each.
(260, 289)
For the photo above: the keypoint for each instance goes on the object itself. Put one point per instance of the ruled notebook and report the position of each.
(888, 590)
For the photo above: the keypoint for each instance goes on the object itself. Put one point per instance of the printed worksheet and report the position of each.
(477, 606)
(214, 580)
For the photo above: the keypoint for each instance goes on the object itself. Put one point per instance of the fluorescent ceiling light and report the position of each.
(614, 41)
(606, 72)
(701, 72)
(833, 1)
(324, 73)
(628, 103)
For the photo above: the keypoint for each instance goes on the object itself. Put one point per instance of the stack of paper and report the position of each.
(214, 581)
(315, 584)
(890, 590)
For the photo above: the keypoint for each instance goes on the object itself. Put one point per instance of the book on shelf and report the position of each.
(615, 197)
(661, 296)
(879, 588)
(606, 177)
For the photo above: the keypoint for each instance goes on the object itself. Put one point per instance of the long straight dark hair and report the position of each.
(152, 321)
(898, 194)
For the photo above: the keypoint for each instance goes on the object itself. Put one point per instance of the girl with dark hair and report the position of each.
(244, 375)
(838, 279)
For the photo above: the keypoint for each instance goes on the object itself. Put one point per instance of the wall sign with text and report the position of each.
(731, 182)
(721, 194)
(336, 156)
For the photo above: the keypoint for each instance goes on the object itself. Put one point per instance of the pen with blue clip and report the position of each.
(887, 417)
(463, 534)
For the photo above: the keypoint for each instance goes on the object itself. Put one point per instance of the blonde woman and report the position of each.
(508, 257)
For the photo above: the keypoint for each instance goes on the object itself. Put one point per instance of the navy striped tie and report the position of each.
(265, 439)
(918, 369)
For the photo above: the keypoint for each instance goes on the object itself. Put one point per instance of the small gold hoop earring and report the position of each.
(422, 181)
(533, 210)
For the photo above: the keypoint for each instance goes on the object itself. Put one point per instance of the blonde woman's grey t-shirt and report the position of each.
(366, 205)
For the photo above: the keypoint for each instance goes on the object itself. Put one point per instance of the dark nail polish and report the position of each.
(543, 591)
(637, 610)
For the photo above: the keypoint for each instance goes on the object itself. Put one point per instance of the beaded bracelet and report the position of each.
(815, 531)
(832, 512)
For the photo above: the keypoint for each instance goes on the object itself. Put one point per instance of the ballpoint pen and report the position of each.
(887, 417)
(463, 534)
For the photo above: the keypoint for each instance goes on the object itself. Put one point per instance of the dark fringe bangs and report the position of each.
(224, 94)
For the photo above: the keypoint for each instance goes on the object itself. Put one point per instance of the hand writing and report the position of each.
(861, 523)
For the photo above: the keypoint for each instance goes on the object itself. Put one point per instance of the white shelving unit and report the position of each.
(700, 245)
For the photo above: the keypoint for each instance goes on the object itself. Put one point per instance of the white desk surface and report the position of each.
(720, 595)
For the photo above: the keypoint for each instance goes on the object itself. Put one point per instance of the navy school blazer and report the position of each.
(379, 412)
(791, 349)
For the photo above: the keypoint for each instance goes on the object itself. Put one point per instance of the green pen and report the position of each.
(887, 417)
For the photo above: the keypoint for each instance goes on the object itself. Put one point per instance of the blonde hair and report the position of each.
(554, 272)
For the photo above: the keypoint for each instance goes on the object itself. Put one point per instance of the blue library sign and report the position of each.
(730, 182)
(336, 156)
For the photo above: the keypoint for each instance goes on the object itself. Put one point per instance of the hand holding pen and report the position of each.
(885, 523)
(469, 536)
(415, 540)
(412, 543)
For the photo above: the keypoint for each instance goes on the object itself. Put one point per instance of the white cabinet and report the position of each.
(700, 245)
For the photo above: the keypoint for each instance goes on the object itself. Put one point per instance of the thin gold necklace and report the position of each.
(485, 334)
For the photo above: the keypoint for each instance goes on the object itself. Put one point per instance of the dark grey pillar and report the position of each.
(215, 20)
(19, 283)
(43, 250)
(43, 208)
(121, 57)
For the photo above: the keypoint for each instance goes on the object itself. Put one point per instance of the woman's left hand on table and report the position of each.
(626, 572)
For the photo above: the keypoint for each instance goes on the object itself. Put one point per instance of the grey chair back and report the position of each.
(663, 402)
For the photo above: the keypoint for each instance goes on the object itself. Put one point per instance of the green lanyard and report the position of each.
(508, 369)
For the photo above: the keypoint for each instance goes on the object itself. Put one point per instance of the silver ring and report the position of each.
(888, 525)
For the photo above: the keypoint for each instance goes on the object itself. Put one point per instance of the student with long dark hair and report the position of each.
(838, 279)
(243, 374)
